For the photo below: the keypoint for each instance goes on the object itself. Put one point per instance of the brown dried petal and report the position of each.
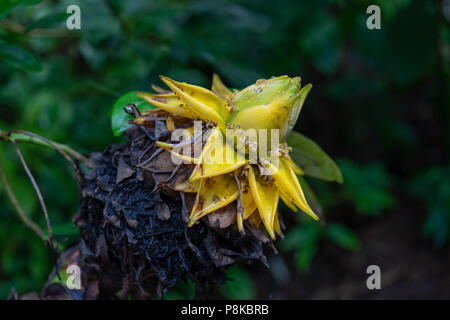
(224, 217)
(163, 211)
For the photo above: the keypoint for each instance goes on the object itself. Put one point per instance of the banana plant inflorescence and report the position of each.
(236, 169)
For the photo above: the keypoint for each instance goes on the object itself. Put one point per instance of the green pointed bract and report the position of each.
(270, 104)
(262, 92)
(295, 111)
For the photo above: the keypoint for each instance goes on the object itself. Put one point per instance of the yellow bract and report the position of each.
(270, 104)
(202, 101)
(170, 147)
(169, 102)
(215, 158)
(266, 197)
(219, 88)
(289, 186)
(222, 174)
(294, 167)
(187, 186)
(214, 193)
(247, 199)
(247, 202)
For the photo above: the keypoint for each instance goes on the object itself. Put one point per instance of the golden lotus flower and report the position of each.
(251, 189)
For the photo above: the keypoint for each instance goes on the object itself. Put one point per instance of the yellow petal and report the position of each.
(288, 202)
(257, 117)
(303, 204)
(187, 186)
(203, 102)
(247, 199)
(214, 160)
(266, 197)
(214, 193)
(276, 225)
(169, 147)
(247, 202)
(294, 166)
(240, 223)
(170, 124)
(255, 219)
(289, 186)
(170, 103)
(159, 89)
(219, 88)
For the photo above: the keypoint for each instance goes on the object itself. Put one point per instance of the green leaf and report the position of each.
(47, 21)
(301, 236)
(64, 277)
(367, 186)
(310, 195)
(18, 57)
(63, 229)
(342, 236)
(183, 290)
(119, 118)
(322, 41)
(432, 188)
(312, 159)
(304, 256)
(241, 287)
(6, 6)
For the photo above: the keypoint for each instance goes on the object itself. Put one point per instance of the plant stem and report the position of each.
(12, 197)
(38, 193)
(23, 136)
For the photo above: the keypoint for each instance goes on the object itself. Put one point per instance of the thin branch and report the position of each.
(17, 135)
(78, 174)
(12, 197)
(28, 137)
(39, 195)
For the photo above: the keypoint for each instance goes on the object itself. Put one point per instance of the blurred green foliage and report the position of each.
(182, 290)
(432, 187)
(304, 238)
(241, 286)
(368, 187)
(380, 98)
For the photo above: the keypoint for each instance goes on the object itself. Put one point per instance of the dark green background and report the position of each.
(379, 104)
